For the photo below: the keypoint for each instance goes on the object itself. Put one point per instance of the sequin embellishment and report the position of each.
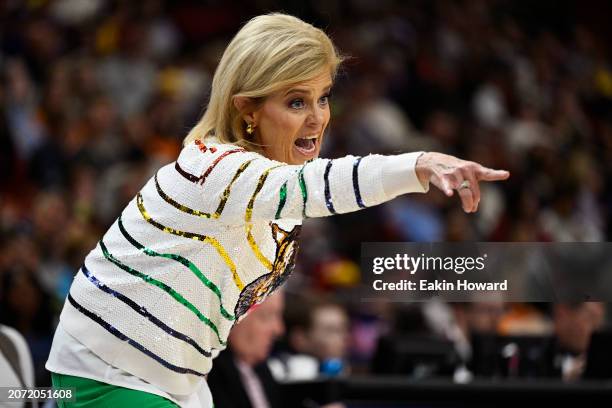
(216, 161)
(109, 327)
(249, 214)
(141, 310)
(203, 148)
(202, 178)
(328, 200)
(177, 296)
(302, 183)
(224, 196)
(191, 235)
(184, 261)
(284, 260)
(282, 200)
(356, 183)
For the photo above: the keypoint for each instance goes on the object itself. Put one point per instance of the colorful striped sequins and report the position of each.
(184, 261)
(303, 189)
(173, 293)
(216, 161)
(328, 200)
(249, 214)
(224, 196)
(356, 183)
(191, 235)
(115, 332)
(141, 310)
(203, 148)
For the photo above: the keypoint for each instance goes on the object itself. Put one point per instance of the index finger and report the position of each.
(487, 174)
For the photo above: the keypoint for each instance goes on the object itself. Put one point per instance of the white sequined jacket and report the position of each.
(209, 236)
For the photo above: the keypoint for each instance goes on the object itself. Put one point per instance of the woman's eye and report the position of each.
(296, 104)
(324, 99)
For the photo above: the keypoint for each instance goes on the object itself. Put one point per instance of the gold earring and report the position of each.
(250, 129)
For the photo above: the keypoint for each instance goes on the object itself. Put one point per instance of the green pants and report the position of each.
(92, 393)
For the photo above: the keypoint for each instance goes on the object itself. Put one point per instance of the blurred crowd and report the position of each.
(95, 95)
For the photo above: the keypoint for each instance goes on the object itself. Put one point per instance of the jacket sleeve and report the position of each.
(254, 187)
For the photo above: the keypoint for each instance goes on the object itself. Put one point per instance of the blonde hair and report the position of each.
(269, 53)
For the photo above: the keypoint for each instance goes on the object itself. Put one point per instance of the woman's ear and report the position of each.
(246, 107)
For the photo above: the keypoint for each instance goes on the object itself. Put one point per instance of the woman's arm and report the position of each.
(249, 186)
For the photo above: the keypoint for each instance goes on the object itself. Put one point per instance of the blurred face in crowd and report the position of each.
(328, 336)
(575, 324)
(290, 123)
(252, 339)
(484, 317)
(24, 297)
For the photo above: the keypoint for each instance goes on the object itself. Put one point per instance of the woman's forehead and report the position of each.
(319, 83)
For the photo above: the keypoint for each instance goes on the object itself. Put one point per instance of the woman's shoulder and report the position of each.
(209, 149)
(209, 146)
(212, 145)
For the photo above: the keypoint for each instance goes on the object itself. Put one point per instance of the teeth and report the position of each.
(309, 137)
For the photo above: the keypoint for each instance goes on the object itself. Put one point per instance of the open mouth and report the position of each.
(306, 145)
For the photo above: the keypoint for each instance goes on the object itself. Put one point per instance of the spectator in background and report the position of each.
(479, 317)
(318, 339)
(574, 323)
(25, 306)
(460, 323)
(240, 377)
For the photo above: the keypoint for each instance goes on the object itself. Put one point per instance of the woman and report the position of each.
(211, 235)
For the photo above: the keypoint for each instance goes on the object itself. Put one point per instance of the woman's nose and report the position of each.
(317, 116)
